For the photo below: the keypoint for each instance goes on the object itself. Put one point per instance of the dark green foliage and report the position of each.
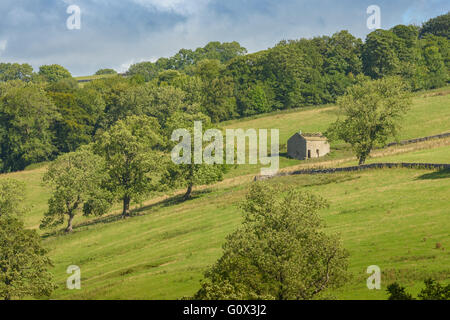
(23, 262)
(397, 292)
(439, 26)
(279, 252)
(26, 116)
(433, 291)
(370, 114)
(54, 73)
(105, 71)
(15, 71)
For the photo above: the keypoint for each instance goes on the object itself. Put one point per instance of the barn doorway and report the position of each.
(309, 154)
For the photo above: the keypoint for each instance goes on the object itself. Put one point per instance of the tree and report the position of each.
(371, 112)
(397, 292)
(254, 101)
(12, 198)
(433, 291)
(75, 179)
(146, 69)
(105, 71)
(26, 117)
(218, 101)
(191, 174)
(379, 54)
(438, 26)
(23, 262)
(54, 72)
(279, 252)
(15, 71)
(132, 149)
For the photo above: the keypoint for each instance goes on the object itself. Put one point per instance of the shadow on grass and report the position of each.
(441, 174)
(139, 211)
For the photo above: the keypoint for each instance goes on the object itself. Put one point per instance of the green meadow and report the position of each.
(393, 218)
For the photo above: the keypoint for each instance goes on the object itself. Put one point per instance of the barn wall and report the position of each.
(323, 147)
(297, 147)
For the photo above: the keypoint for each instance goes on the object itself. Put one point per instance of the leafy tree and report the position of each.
(434, 291)
(112, 92)
(66, 85)
(105, 71)
(371, 112)
(190, 174)
(15, 71)
(12, 198)
(218, 100)
(26, 116)
(279, 252)
(379, 54)
(438, 26)
(254, 101)
(162, 102)
(435, 53)
(147, 70)
(397, 292)
(75, 179)
(343, 54)
(23, 262)
(221, 51)
(54, 73)
(134, 161)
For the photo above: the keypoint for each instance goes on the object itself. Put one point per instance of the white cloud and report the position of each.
(183, 7)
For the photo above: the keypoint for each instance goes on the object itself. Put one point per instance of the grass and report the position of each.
(95, 77)
(163, 253)
(429, 115)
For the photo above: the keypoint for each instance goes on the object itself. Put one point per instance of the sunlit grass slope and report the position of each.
(391, 218)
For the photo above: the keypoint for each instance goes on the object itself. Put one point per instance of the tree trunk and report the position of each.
(126, 206)
(188, 193)
(362, 159)
(69, 224)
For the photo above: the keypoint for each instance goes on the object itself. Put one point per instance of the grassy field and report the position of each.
(429, 115)
(162, 252)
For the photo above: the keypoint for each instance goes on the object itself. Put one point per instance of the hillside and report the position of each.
(162, 252)
(420, 121)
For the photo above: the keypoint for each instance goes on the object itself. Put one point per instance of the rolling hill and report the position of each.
(392, 218)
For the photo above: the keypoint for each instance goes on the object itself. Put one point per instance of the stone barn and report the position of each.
(307, 145)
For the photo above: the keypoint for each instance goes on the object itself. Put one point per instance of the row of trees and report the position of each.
(24, 265)
(128, 162)
(309, 71)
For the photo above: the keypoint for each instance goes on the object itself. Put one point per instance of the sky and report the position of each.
(117, 33)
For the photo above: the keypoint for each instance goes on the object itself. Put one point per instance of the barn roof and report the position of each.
(316, 136)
